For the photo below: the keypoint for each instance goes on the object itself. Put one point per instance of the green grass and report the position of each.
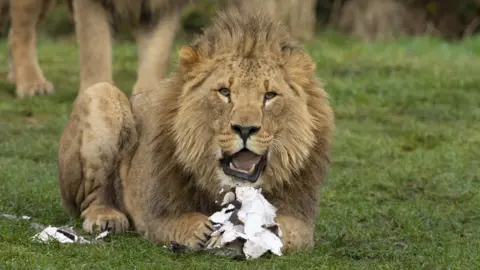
(403, 192)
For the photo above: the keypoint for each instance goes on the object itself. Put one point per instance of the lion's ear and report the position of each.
(188, 58)
(299, 66)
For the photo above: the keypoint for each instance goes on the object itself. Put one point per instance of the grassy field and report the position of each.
(403, 192)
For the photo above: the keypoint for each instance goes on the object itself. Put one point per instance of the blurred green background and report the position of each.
(448, 19)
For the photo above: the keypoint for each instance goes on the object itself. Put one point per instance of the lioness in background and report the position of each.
(154, 24)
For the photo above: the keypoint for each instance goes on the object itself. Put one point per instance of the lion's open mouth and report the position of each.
(244, 164)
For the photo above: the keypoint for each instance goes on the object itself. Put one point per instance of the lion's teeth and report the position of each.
(250, 171)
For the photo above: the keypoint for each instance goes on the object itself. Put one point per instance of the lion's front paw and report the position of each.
(33, 87)
(201, 235)
(102, 218)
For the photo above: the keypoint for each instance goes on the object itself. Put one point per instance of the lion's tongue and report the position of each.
(245, 160)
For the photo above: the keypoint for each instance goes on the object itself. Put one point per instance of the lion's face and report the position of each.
(247, 99)
(246, 119)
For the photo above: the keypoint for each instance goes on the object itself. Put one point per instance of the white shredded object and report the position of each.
(257, 215)
(12, 217)
(222, 216)
(63, 235)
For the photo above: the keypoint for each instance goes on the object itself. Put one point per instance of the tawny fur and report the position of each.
(154, 24)
(155, 159)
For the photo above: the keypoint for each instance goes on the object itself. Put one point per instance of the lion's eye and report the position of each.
(224, 91)
(270, 95)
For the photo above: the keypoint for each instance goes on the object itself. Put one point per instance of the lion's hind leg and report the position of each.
(100, 130)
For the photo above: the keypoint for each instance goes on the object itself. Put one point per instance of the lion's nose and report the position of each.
(245, 131)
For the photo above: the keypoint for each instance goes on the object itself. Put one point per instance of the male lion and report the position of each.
(154, 24)
(243, 108)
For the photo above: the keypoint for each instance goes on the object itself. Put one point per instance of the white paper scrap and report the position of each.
(102, 235)
(61, 234)
(257, 215)
(12, 217)
(222, 216)
(64, 235)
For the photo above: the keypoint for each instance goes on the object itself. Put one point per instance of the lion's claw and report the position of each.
(201, 235)
(104, 219)
(214, 242)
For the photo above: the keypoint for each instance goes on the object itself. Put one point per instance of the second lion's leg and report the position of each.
(154, 45)
(99, 132)
(93, 33)
(23, 61)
